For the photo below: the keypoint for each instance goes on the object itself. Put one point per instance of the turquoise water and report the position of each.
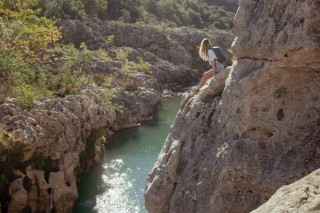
(117, 186)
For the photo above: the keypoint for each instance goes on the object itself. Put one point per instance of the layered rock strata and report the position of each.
(242, 137)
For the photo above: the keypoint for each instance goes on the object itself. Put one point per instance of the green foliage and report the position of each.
(77, 70)
(126, 15)
(25, 95)
(193, 13)
(107, 96)
(23, 37)
(24, 31)
(281, 92)
(71, 9)
(110, 38)
(122, 54)
(233, 57)
(144, 67)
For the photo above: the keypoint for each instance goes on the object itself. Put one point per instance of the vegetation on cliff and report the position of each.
(34, 66)
(198, 14)
(23, 37)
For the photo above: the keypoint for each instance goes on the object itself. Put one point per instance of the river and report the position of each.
(117, 185)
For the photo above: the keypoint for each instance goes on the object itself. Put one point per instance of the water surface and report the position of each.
(117, 186)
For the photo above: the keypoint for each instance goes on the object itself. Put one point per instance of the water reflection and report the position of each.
(119, 183)
(117, 186)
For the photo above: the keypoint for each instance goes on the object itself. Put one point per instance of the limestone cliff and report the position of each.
(253, 130)
(56, 142)
(50, 137)
(300, 196)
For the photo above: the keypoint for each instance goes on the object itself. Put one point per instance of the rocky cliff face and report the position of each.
(53, 134)
(253, 130)
(57, 141)
(300, 196)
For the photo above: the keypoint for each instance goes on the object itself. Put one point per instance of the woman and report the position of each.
(207, 54)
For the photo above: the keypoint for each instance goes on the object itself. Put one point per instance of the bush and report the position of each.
(25, 95)
(107, 96)
(23, 37)
(194, 13)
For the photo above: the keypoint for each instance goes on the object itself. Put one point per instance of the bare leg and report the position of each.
(205, 77)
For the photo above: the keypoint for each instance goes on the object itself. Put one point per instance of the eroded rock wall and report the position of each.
(300, 196)
(242, 137)
(57, 141)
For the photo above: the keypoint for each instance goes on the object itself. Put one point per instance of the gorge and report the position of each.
(248, 141)
(58, 110)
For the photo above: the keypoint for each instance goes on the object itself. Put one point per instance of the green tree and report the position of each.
(24, 35)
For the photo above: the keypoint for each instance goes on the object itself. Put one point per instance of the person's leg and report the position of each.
(205, 77)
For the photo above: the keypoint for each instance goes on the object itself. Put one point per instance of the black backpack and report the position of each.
(220, 57)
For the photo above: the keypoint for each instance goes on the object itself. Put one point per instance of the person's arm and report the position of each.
(213, 66)
(212, 60)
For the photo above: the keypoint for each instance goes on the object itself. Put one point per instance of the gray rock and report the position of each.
(300, 196)
(242, 141)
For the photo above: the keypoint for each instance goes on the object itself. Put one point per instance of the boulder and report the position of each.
(63, 194)
(18, 195)
(43, 187)
(138, 106)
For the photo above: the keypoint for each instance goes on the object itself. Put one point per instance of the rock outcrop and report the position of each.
(138, 106)
(236, 142)
(58, 140)
(53, 134)
(300, 196)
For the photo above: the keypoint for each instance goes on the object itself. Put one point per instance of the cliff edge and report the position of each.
(253, 128)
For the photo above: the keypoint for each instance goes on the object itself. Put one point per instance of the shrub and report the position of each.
(25, 95)
(144, 67)
(126, 15)
(23, 37)
(107, 96)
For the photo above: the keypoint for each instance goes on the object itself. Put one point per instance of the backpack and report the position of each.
(220, 57)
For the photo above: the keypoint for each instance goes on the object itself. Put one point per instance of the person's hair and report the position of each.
(203, 50)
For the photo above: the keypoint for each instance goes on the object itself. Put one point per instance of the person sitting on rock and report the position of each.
(207, 54)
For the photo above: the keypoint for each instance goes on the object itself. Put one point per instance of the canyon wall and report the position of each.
(253, 128)
(49, 148)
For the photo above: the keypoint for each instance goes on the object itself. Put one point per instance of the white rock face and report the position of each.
(245, 136)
